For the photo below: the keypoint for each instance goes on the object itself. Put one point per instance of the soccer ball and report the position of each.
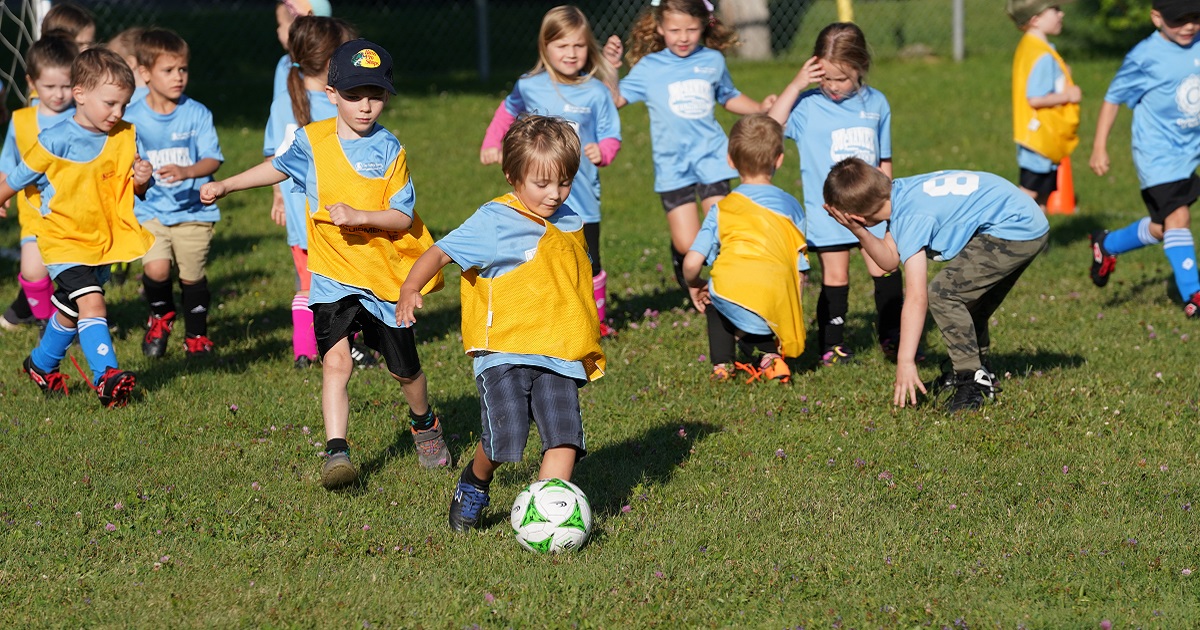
(550, 516)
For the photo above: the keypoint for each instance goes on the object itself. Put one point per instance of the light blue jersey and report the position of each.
(279, 79)
(689, 145)
(1160, 81)
(371, 156)
(67, 140)
(1044, 79)
(588, 106)
(827, 132)
(940, 212)
(183, 137)
(496, 240)
(281, 129)
(707, 242)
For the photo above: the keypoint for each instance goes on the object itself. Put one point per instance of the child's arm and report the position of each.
(390, 219)
(493, 138)
(743, 105)
(174, 172)
(885, 167)
(421, 273)
(613, 51)
(6, 193)
(1073, 94)
(1104, 124)
(143, 176)
(912, 324)
(697, 287)
(265, 174)
(881, 250)
(810, 73)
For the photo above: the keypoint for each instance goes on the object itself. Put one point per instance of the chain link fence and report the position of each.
(234, 46)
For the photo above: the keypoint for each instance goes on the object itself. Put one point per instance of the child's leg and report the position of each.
(1180, 250)
(1136, 235)
(304, 340)
(684, 225)
(52, 348)
(889, 301)
(721, 343)
(35, 281)
(554, 402)
(192, 243)
(558, 463)
(591, 234)
(336, 366)
(834, 301)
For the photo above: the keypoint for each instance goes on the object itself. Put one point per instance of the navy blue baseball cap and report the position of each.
(360, 62)
(1175, 10)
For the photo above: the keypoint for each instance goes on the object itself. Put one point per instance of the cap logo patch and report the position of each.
(366, 58)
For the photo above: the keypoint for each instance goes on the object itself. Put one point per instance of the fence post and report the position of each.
(481, 40)
(958, 27)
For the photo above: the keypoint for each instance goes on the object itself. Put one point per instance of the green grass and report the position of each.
(1068, 502)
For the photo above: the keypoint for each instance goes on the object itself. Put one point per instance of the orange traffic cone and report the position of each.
(1062, 201)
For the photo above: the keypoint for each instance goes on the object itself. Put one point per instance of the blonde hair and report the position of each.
(644, 37)
(98, 66)
(857, 187)
(560, 22)
(55, 49)
(69, 17)
(159, 41)
(755, 143)
(534, 143)
(311, 42)
(844, 44)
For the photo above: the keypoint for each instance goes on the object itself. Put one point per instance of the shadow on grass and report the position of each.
(1073, 229)
(1144, 289)
(633, 308)
(610, 474)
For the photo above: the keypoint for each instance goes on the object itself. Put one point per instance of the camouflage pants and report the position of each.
(965, 293)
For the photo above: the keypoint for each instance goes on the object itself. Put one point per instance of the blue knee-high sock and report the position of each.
(1181, 251)
(97, 346)
(1133, 236)
(53, 346)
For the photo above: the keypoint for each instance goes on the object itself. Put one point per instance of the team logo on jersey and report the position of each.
(366, 58)
(1187, 98)
(690, 99)
(859, 142)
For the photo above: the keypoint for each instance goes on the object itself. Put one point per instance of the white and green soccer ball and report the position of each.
(550, 516)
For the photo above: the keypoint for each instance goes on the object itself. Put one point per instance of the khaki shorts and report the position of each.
(186, 244)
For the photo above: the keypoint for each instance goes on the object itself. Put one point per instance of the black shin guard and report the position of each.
(889, 302)
(196, 300)
(159, 295)
(831, 315)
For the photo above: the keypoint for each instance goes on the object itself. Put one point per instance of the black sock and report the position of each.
(337, 445)
(20, 306)
(159, 295)
(831, 315)
(721, 347)
(421, 422)
(889, 302)
(196, 300)
(591, 236)
(468, 476)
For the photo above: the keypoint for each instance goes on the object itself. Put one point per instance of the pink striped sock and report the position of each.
(600, 293)
(304, 338)
(38, 294)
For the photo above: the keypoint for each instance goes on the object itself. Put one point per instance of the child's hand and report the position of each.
(1099, 161)
(343, 215)
(768, 102)
(700, 297)
(811, 72)
(211, 192)
(591, 151)
(171, 173)
(407, 306)
(614, 50)
(142, 171)
(490, 156)
(278, 210)
(842, 218)
(908, 381)
(1074, 93)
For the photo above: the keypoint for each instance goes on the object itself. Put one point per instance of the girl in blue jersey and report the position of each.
(311, 42)
(569, 81)
(840, 118)
(677, 68)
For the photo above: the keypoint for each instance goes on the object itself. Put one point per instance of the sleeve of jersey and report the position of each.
(794, 128)
(207, 143)
(401, 194)
(472, 244)
(912, 234)
(885, 130)
(493, 138)
(633, 86)
(1041, 77)
(296, 161)
(9, 157)
(273, 134)
(35, 162)
(724, 86)
(706, 239)
(1129, 85)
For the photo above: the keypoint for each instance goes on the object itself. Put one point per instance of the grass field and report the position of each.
(1068, 502)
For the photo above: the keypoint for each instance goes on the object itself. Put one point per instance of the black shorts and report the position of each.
(1163, 199)
(829, 249)
(511, 395)
(339, 320)
(689, 194)
(72, 283)
(1041, 183)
